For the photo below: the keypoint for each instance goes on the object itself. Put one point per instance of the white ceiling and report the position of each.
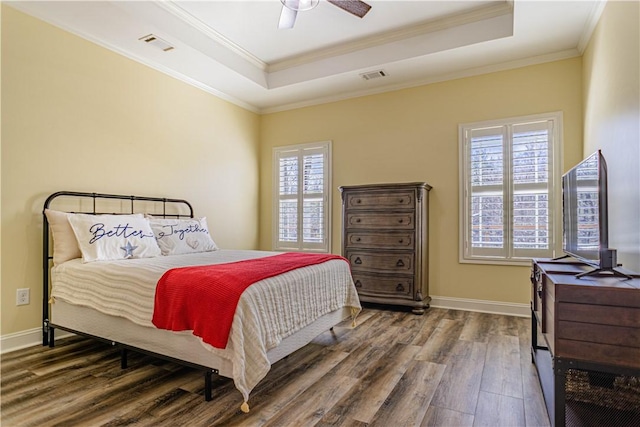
(234, 49)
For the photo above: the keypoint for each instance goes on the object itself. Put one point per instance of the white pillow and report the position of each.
(65, 244)
(182, 236)
(111, 237)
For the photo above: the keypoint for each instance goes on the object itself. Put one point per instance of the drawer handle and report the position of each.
(358, 220)
(358, 284)
(401, 201)
(358, 201)
(400, 263)
(357, 261)
(358, 239)
(400, 288)
(401, 241)
(400, 220)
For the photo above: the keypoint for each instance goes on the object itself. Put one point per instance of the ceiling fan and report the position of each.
(290, 9)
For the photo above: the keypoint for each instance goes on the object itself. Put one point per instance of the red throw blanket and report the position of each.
(204, 298)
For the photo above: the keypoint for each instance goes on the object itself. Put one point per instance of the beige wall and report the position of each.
(78, 117)
(612, 120)
(412, 135)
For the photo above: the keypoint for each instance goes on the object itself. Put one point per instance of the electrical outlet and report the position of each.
(22, 296)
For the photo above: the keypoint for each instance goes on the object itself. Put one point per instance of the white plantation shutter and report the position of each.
(487, 191)
(302, 197)
(509, 186)
(532, 153)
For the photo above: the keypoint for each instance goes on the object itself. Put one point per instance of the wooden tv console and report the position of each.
(588, 324)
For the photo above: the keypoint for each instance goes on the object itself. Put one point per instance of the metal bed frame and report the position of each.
(48, 327)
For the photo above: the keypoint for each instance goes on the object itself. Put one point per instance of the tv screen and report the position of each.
(584, 213)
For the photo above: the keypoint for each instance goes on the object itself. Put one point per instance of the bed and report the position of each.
(117, 300)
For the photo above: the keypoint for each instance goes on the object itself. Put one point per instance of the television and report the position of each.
(585, 233)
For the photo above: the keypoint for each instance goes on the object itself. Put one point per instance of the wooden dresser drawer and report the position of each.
(372, 239)
(381, 200)
(383, 285)
(381, 262)
(396, 220)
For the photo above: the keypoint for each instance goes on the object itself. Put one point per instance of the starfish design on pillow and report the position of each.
(128, 250)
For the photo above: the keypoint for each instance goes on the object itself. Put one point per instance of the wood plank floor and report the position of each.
(445, 368)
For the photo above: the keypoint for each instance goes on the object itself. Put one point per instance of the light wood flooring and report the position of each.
(445, 368)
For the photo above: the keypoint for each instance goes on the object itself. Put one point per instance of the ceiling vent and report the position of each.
(374, 74)
(156, 42)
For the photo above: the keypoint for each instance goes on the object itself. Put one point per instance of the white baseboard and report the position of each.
(31, 337)
(495, 307)
(24, 339)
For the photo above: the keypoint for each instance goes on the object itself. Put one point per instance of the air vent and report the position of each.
(156, 42)
(373, 74)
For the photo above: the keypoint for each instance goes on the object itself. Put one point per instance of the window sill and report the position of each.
(520, 262)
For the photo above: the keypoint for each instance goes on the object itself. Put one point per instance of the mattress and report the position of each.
(114, 300)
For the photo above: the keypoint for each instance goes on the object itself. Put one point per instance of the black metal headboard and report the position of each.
(89, 203)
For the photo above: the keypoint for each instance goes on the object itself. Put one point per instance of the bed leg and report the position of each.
(51, 336)
(123, 358)
(207, 385)
(45, 333)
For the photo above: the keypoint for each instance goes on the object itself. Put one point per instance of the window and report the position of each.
(302, 198)
(510, 188)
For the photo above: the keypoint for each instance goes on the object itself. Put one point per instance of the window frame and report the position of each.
(299, 150)
(508, 255)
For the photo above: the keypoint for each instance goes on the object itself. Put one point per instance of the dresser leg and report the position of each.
(417, 310)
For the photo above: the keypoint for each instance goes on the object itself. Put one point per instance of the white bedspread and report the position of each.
(267, 312)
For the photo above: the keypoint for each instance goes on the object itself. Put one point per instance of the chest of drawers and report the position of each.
(588, 326)
(384, 237)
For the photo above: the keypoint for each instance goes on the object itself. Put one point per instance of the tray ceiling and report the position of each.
(235, 50)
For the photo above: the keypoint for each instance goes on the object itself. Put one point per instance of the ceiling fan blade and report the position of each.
(355, 7)
(287, 18)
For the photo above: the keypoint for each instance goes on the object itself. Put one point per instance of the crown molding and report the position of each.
(496, 8)
(170, 72)
(478, 14)
(173, 8)
(591, 24)
(151, 64)
(471, 72)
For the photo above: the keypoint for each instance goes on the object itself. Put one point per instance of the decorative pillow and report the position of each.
(65, 244)
(111, 237)
(182, 236)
